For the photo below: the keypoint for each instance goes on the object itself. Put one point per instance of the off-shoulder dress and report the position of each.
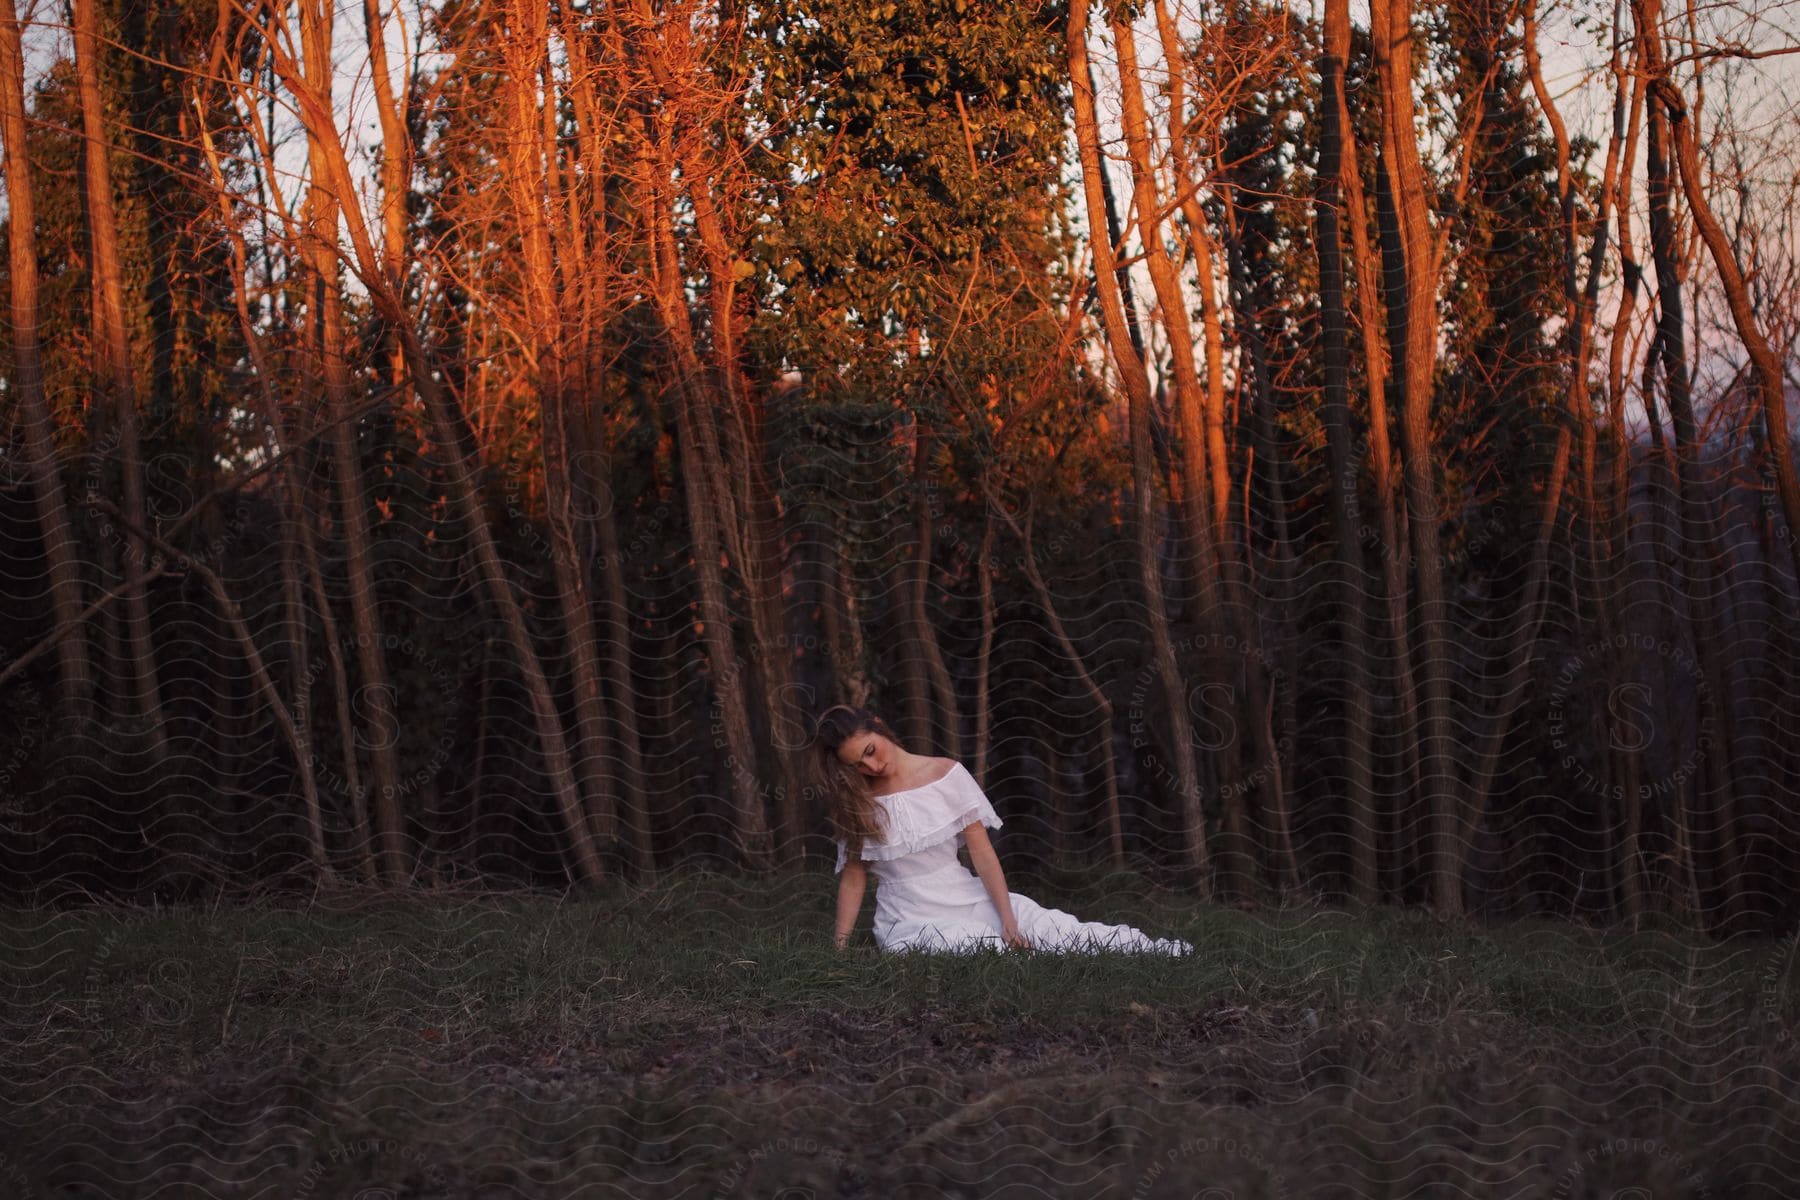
(926, 900)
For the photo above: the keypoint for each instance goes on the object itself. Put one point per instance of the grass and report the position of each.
(701, 1037)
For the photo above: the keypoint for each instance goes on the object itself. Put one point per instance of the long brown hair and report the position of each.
(854, 814)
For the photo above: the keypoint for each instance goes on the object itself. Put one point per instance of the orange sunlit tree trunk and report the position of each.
(451, 431)
(669, 108)
(28, 382)
(114, 374)
(293, 432)
(1385, 470)
(596, 232)
(714, 170)
(290, 493)
(533, 186)
(1335, 134)
(1582, 304)
(1137, 388)
(327, 340)
(1411, 278)
(1710, 824)
(1765, 363)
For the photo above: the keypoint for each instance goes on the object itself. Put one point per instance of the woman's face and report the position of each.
(869, 753)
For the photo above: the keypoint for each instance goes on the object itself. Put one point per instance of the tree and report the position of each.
(1137, 388)
(116, 409)
(452, 435)
(28, 381)
(1411, 267)
(1337, 158)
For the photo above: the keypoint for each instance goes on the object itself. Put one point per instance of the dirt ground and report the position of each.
(1219, 1101)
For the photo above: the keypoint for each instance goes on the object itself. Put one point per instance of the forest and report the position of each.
(1287, 451)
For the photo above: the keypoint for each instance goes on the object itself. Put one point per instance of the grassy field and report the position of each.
(701, 1038)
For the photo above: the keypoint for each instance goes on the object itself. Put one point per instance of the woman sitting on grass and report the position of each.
(906, 814)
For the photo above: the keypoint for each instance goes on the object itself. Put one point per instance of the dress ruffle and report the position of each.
(926, 815)
(927, 900)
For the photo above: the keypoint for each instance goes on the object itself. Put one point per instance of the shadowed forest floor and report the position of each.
(701, 1038)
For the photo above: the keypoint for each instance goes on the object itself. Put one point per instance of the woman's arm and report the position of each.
(852, 881)
(987, 865)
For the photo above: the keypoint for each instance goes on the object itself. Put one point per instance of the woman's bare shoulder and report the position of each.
(936, 770)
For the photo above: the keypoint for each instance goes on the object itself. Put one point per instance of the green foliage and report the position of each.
(1267, 157)
(910, 144)
(190, 365)
(911, 260)
(53, 140)
(1503, 395)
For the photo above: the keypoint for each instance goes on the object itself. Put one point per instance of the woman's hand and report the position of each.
(987, 866)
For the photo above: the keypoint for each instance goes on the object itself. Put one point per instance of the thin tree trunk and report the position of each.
(1533, 601)
(259, 674)
(396, 158)
(468, 848)
(984, 657)
(568, 519)
(1713, 847)
(1236, 858)
(709, 497)
(1384, 468)
(915, 700)
(1204, 453)
(1205, 446)
(328, 344)
(595, 270)
(296, 490)
(113, 368)
(396, 176)
(362, 836)
(1353, 583)
(615, 619)
(1115, 230)
(1202, 425)
(1766, 364)
(288, 489)
(1635, 880)
(1413, 329)
(946, 725)
(1137, 387)
(1212, 542)
(1201, 420)
(844, 627)
(702, 133)
(531, 176)
(1102, 706)
(759, 553)
(452, 434)
(76, 671)
(1286, 866)
(1582, 301)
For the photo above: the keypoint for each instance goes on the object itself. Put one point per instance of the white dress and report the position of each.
(925, 899)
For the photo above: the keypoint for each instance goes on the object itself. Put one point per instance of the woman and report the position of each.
(906, 814)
